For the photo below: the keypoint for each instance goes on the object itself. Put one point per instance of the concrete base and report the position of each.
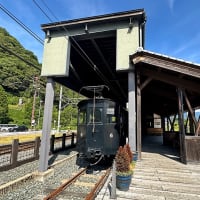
(42, 176)
(14, 184)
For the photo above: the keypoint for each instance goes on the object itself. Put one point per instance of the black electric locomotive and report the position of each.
(102, 127)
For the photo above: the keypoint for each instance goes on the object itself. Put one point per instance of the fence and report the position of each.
(61, 143)
(17, 153)
(192, 148)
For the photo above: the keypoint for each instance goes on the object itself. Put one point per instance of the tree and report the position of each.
(3, 106)
(69, 116)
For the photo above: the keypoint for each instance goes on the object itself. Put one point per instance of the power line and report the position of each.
(81, 52)
(18, 56)
(49, 10)
(42, 10)
(21, 24)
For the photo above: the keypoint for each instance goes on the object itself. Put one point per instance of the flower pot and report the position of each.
(135, 156)
(123, 182)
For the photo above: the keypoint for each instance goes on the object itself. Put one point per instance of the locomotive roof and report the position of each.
(90, 100)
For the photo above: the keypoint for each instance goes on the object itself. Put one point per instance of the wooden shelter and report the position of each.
(169, 87)
(108, 50)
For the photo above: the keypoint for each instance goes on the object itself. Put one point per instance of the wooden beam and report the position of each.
(173, 121)
(191, 112)
(99, 35)
(145, 83)
(171, 79)
(181, 126)
(186, 124)
(138, 113)
(107, 66)
(168, 64)
(198, 129)
(168, 121)
(189, 107)
(191, 123)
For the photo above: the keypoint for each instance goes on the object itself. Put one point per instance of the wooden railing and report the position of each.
(16, 154)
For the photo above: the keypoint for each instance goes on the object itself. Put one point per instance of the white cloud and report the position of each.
(171, 5)
(189, 45)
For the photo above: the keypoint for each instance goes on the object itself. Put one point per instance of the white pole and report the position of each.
(59, 111)
(131, 110)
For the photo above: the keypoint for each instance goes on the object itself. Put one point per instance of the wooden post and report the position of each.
(14, 153)
(37, 147)
(163, 123)
(181, 125)
(46, 127)
(63, 141)
(113, 187)
(52, 142)
(167, 123)
(139, 142)
(72, 141)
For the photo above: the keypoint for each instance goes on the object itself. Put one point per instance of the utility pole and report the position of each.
(59, 109)
(40, 106)
(35, 83)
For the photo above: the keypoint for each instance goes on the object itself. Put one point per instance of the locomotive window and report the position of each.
(110, 116)
(95, 115)
(82, 116)
(110, 119)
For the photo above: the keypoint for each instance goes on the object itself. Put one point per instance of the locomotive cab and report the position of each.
(99, 132)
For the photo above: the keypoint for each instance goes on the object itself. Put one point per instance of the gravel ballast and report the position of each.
(33, 189)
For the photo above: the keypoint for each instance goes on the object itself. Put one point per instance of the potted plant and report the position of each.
(131, 156)
(123, 169)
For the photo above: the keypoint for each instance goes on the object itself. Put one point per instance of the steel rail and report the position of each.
(98, 186)
(6, 149)
(57, 191)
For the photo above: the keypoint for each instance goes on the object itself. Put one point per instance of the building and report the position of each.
(109, 50)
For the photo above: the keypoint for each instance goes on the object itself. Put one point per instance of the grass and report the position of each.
(22, 138)
(17, 113)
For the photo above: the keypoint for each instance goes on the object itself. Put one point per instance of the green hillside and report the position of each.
(20, 82)
(16, 76)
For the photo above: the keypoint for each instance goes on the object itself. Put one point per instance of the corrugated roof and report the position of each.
(99, 18)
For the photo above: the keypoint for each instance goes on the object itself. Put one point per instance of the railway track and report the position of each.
(90, 184)
(6, 149)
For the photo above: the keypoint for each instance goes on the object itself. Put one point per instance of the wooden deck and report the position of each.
(160, 176)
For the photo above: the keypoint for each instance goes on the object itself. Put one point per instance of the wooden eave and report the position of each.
(168, 70)
(114, 17)
(167, 63)
(161, 76)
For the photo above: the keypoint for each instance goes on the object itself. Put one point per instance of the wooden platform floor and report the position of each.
(160, 176)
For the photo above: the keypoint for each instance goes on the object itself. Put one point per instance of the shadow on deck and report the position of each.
(154, 144)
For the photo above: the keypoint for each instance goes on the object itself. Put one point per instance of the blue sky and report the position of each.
(172, 27)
